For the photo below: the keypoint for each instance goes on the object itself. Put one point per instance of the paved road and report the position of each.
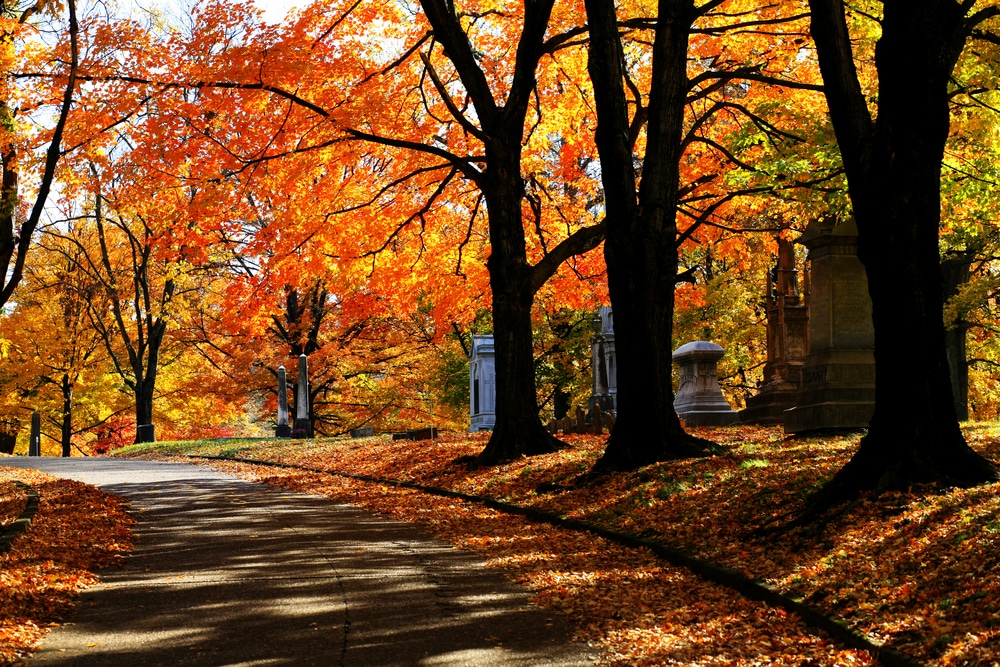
(229, 572)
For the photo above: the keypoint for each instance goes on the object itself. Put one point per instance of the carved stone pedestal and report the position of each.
(699, 400)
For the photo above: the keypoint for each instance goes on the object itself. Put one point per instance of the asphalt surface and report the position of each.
(230, 572)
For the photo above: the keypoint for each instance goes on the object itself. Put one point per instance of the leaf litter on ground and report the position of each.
(917, 571)
(77, 531)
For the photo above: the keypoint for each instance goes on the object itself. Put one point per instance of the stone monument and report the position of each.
(602, 365)
(787, 341)
(283, 430)
(482, 384)
(699, 400)
(145, 433)
(838, 376)
(35, 439)
(303, 424)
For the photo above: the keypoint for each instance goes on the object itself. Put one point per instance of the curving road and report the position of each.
(229, 572)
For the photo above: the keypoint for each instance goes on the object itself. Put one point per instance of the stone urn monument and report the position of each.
(699, 400)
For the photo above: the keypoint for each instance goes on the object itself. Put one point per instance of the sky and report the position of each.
(275, 10)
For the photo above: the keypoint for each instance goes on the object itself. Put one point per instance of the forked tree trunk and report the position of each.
(145, 376)
(640, 249)
(893, 169)
(518, 429)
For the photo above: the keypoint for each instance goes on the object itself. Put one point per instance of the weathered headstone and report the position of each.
(787, 342)
(283, 430)
(601, 399)
(363, 432)
(35, 441)
(610, 356)
(482, 384)
(699, 400)
(838, 376)
(428, 433)
(303, 424)
(145, 433)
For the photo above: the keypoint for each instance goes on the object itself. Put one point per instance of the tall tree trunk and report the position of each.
(514, 282)
(67, 416)
(640, 249)
(145, 376)
(956, 268)
(518, 430)
(893, 169)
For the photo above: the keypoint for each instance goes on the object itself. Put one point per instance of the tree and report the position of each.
(58, 335)
(465, 106)
(119, 249)
(643, 235)
(893, 164)
(15, 149)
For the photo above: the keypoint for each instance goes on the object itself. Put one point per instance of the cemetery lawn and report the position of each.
(919, 572)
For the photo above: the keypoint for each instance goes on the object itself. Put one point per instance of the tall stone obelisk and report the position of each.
(303, 424)
(283, 430)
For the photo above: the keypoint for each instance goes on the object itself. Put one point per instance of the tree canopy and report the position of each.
(372, 183)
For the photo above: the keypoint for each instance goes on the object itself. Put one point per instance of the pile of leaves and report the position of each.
(76, 531)
(915, 571)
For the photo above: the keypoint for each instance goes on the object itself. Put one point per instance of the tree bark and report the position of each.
(893, 169)
(67, 416)
(518, 430)
(146, 371)
(641, 245)
(513, 281)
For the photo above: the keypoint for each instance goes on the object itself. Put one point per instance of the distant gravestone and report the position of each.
(145, 433)
(838, 376)
(699, 400)
(303, 424)
(482, 384)
(363, 432)
(787, 342)
(283, 430)
(35, 441)
(604, 387)
(428, 433)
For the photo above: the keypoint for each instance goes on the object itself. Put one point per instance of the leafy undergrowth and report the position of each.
(12, 501)
(76, 531)
(916, 571)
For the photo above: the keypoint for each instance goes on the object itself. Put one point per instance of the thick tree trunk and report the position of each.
(640, 249)
(143, 410)
(893, 170)
(145, 378)
(518, 430)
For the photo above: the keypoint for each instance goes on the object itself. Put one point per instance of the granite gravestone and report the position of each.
(601, 400)
(838, 376)
(283, 430)
(482, 384)
(303, 424)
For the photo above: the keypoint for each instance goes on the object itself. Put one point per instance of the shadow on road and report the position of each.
(228, 572)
